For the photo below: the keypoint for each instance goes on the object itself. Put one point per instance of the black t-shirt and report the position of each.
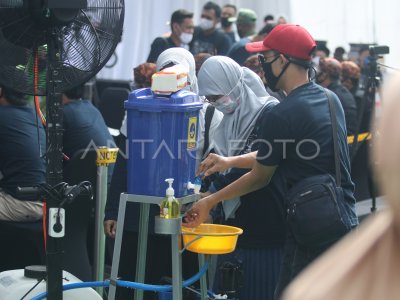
(349, 105)
(298, 139)
(217, 43)
(158, 46)
(22, 150)
(84, 127)
(259, 213)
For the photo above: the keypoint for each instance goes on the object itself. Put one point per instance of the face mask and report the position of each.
(315, 60)
(226, 105)
(271, 79)
(225, 23)
(206, 24)
(186, 38)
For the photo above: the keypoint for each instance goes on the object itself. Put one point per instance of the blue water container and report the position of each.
(162, 134)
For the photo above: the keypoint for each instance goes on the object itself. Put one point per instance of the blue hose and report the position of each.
(128, 284)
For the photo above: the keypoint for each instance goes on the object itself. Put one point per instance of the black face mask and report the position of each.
(225, 23)
(271, 79)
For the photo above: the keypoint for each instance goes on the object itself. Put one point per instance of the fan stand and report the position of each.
(24, 27)
(54, 138)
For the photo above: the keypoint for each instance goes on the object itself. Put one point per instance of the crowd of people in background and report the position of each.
(226, 30)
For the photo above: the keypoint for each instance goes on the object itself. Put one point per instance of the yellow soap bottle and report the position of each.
(169, 207)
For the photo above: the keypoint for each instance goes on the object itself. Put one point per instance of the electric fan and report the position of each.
(47, 47)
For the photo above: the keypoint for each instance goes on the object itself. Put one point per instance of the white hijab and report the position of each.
(220, 75)
(176, 56)
(183, 57)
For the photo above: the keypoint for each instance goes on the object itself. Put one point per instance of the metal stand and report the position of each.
(99, 238)
(162, 226)
(105, 157)
(173, 227)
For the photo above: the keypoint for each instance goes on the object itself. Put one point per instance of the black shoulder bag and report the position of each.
(317, 213)
(207, 124)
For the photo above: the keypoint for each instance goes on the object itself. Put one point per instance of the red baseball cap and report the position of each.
(292, 40)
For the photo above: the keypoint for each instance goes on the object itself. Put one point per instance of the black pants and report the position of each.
(295, 259)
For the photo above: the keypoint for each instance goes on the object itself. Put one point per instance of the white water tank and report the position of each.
(14, 285)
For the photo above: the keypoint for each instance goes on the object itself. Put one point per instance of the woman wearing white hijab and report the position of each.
(240, 95)
(174, 56)
(181, 56)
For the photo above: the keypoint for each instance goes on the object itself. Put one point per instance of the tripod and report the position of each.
(366, 112)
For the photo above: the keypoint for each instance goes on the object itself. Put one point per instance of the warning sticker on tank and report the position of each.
(192, 133)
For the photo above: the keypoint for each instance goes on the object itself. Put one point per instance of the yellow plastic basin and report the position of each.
(211, 238)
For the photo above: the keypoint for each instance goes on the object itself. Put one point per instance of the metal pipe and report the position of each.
(99, 238)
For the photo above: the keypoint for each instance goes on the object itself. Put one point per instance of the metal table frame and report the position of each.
(145, 202)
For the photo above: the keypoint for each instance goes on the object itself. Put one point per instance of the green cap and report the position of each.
(246, 16)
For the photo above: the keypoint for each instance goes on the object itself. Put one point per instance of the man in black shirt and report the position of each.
(228, 17)
(23, 145)
(297, 140)
(328, 76)
(181, 34)
(206, 37)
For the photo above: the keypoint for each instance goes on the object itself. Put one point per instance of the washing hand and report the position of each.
(198, 213)
(212, 164)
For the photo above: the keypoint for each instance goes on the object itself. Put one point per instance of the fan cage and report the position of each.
(83, 46)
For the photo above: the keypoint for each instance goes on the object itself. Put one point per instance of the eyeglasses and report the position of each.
(262, 59)
(213, 98)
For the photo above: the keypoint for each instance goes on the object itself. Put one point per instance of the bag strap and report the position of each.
(332, 112)
(207, 123)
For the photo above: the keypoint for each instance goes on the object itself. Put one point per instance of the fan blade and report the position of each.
(83, 42)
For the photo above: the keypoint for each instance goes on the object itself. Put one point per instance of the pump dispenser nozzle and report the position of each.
(169, 207)
(170, 190)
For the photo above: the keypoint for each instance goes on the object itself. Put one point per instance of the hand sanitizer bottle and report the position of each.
(169, 207)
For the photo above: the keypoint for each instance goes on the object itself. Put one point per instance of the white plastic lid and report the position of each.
(170, 190)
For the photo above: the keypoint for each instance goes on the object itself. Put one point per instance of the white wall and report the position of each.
(146, 19)
(341, 22)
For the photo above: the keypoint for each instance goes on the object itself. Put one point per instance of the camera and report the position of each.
(378, 50)
(375, 53)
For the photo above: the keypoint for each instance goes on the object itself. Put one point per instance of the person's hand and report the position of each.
(110, 228)
(212, 164)
(205, 194)
(198, 213)
(209, 219)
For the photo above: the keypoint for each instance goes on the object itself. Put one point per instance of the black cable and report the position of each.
(39, 281)
(51, 192)
(312, 73)
(113, 64)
